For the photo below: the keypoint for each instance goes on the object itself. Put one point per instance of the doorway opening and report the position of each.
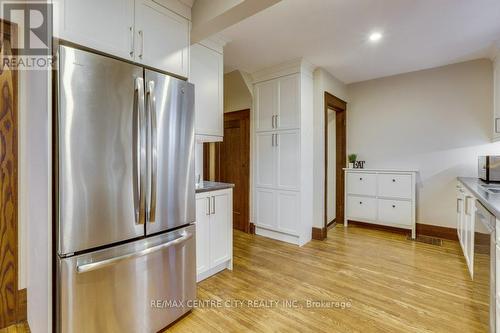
(229, 162)
(335, 160)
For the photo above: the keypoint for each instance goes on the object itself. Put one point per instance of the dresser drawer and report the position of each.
(394, 211)
(361, 208)
(362, 183)
(395, 186)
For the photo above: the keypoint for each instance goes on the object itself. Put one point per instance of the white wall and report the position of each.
(331, 181)
(237, 97)
(436, 120)
(39, 227)
(323, 81)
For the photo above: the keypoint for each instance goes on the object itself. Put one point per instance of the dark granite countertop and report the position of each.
(489, 200)
(207, 186)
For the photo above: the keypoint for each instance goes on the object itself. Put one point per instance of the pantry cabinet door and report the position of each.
(265, 160)
(162, 38)
(266, 105)
(289, 102)
(265, 209)
(288, 160)
(288, 211)
(103, 25)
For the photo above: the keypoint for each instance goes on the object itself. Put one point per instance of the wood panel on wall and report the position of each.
(8, 184)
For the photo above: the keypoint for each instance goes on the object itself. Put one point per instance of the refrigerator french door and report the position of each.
(125, 194)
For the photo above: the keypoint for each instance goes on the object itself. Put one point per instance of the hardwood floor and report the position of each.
(17, 328)
(391, 284)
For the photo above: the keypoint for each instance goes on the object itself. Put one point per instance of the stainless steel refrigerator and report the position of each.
(125, 194)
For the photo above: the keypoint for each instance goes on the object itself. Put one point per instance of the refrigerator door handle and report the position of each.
(139, 163)
(113, 261)
(153, 144)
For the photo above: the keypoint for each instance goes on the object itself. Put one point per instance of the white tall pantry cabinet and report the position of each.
(282, 153)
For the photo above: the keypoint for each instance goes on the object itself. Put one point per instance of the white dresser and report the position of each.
(381, 196)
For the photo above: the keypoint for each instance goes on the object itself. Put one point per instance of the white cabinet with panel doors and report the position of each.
(207, 74)
(277, 103)
(282, 153)
(214, 232)
(385, 197)
(142, 31)
(278, 160)
(466, 225)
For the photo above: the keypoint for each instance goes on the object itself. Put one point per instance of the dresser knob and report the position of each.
(393, 206)
(360, 202)
(394, 180)
(360, 178)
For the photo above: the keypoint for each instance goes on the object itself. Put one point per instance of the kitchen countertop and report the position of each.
(489, 200)
(207, 186)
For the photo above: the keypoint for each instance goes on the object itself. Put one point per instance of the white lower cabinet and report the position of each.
(394, 211)
(466, 226)
(362, 208)
(214, 232)
(385, 197)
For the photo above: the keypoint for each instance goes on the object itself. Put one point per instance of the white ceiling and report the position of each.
(333, 34)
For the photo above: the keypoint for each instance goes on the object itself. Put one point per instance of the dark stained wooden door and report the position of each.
(8, 184)
(233, 164)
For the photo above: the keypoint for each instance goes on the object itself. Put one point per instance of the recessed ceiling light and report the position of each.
(375, 36)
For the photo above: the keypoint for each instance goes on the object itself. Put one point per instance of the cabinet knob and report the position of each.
(393, 206)
(361, 202)
(394, 180)
(360, 178)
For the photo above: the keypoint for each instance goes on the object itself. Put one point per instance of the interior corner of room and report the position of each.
(194, 151)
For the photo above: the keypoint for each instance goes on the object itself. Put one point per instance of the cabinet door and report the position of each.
(266, 104)
(103, 25)
(265, 212)
(265, 160)
(496, 98)
(202, 234)
(207, 76)
(470, 230)
(162, 38)
(220, 228)
(288, 211)
(288, 160)
(289, 102)
(460, 212)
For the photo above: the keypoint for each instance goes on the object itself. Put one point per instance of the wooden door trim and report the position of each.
(230, 117)
(15, 297)
(340, 107)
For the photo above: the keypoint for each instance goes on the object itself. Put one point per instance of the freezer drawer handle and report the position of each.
(108, 262)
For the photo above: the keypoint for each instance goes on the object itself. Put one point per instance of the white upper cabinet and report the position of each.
(103, 25)
(142, 31)
(207, 75)
(496, 98)
(278, 104)
(266, 105)
(162, 38)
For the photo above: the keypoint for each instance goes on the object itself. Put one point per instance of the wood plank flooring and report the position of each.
(391, 284)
